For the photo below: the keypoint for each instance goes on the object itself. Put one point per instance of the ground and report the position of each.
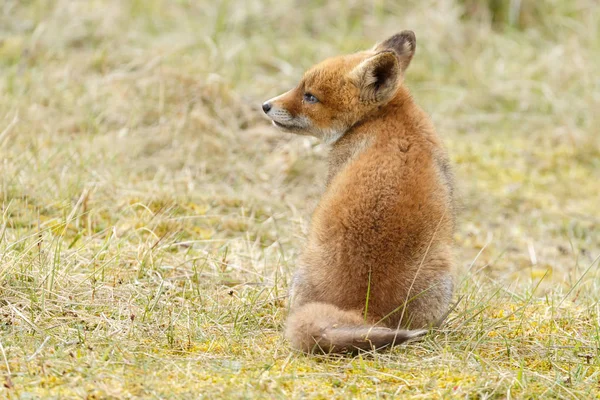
(151, 217)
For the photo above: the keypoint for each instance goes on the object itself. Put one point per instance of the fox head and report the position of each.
(339, 92)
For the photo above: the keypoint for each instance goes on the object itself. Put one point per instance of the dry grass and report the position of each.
(151, 217)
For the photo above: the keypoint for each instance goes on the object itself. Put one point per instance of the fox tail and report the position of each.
(325, 328)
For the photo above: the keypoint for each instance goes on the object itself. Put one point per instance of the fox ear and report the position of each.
(403, 44)
(377, 77)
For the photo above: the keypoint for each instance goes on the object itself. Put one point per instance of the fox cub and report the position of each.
(377, 267)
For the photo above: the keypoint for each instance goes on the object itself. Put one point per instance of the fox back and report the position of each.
(377, 267)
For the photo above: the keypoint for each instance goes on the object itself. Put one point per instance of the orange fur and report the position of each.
(382, 231)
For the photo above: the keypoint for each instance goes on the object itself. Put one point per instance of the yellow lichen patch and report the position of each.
(202, 233)
(197, 209)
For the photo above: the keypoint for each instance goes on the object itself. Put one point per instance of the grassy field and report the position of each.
(151, 217)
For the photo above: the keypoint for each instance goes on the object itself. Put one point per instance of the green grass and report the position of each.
(151, 217)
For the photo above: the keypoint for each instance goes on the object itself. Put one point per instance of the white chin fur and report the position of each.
(281, 126)
(301, 124)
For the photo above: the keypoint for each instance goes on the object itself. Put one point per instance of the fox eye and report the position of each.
(310, 98)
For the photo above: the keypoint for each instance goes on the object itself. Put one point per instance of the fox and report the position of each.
(377, 266)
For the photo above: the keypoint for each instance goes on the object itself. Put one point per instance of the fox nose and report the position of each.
(266, 107)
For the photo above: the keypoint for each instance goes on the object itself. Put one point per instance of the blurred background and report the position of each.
(156, 102)
(150, 212)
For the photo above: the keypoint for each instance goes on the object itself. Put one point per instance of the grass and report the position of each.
(151, 217)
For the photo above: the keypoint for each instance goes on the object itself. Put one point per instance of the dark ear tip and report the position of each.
(400, 42)
(409, 36)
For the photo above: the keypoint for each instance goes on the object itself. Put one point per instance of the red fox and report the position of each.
(377, 267)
